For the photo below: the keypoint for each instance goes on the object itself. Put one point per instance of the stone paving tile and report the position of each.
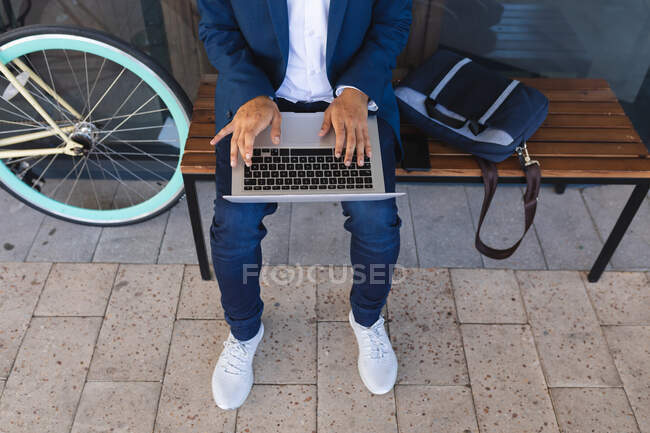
(435, 409)
(317, 235)
(565, 230)
(288, 351)
(117, 406)
(503, 226)
(629, 347)
(77, 289)
(199, 299)
(424, 329)
(344, 403)
(408, 256)
(442, 221)
(2, 386)
(43, 390)
(135, 336)
(20, 286)
(61, 241)
(333, 293)
(569, 339)
(135, 243)
(186, 403)
(16, 238)
(279, 408)
(507, 381)
(178, 242)
(593, 410)
(487, 296)
(621, 298)
(275, 245)
(605, 204)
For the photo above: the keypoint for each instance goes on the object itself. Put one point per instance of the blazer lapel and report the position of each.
(334, 24)
(280, 18)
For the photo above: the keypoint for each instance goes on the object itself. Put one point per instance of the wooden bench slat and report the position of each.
(565, 84)
(586, 135)
(203, 116)
(587, 121)
(560, 150)
(606, 108)
(458, 166)
(591, 95)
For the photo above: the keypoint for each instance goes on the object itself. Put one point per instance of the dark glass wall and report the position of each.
(557, 38)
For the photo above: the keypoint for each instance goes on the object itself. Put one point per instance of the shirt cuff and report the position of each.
(372, 106)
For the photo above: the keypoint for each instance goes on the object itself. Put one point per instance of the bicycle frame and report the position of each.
(71, 147)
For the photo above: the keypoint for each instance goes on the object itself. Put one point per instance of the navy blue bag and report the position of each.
(457, 101)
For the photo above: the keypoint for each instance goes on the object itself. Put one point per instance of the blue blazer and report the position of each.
(248, 42)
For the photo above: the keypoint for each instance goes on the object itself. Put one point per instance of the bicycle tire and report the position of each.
(165, 77)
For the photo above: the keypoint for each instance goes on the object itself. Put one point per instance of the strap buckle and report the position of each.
(524, 157)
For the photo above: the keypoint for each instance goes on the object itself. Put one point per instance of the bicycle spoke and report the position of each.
(126, 169)
(129, 117)
(92, 184)
(143, 128)
(117, 179)
(74, 75)
(112, 152)
(142, 153)
(76, 181)
(101, 68)
(87, 82)
(53, 192)
(41, 96)
(104, 95)
(127, 98)
(49, 70)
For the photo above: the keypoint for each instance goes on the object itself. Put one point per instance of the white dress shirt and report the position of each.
(306, 76)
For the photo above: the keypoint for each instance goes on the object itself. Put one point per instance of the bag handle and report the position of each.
(490, 179)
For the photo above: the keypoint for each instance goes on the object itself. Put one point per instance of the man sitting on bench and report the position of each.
(335, 56)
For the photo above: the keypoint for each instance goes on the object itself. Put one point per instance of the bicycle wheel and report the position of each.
(129, 117)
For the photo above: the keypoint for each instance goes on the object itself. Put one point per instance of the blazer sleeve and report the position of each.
(372, 67)
(228, 51)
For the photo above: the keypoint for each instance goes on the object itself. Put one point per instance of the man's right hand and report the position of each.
(251, 119)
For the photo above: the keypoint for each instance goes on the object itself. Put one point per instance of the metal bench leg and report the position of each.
(629, 211)
(197, 229)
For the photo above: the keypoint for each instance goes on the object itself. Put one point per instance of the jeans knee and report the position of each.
(237, 228)
(372, 219)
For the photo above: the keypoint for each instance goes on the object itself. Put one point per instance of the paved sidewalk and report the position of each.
(131, 347)
(438, 231)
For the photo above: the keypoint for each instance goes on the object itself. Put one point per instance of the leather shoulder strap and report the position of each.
(490, 179)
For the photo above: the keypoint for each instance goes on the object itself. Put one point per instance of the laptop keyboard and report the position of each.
(291, 169)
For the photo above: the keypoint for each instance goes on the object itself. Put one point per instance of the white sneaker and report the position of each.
(232, 378)
(377, 361)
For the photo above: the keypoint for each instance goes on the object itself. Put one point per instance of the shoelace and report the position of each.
(234, 357)
(374, 341)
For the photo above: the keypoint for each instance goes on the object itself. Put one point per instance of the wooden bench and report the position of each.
(587, 139)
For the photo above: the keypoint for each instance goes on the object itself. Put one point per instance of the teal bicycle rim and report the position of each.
(153, 205)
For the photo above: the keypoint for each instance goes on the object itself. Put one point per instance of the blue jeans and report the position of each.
(237, 231)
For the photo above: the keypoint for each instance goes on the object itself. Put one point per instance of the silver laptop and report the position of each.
(303, 168)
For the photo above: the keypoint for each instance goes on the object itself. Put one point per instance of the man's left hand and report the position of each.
(348, 115)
